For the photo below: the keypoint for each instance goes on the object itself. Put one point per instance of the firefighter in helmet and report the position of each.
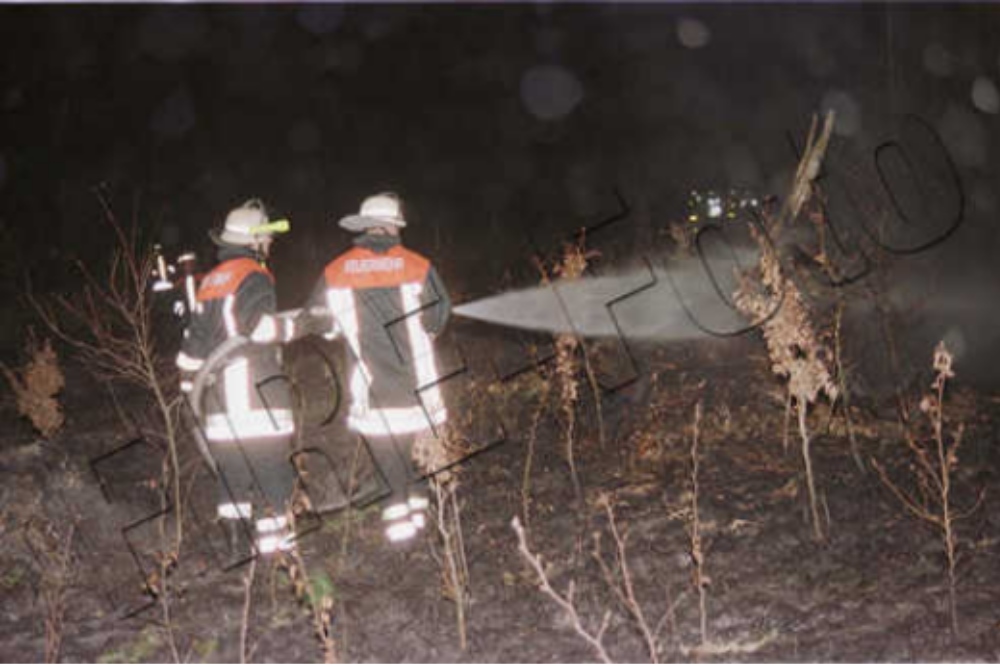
(247, 416)
(388, 302)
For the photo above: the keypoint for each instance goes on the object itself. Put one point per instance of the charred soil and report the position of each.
(74, 536)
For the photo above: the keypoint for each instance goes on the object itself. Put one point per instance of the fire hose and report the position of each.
(223, 352)
(198, 385)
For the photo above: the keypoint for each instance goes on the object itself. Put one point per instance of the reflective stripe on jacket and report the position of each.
(387, 301)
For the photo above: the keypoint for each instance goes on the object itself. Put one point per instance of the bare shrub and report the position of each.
(619, 578)
(934, 462)
(52, 550)
(593, 637)
(571, 357)
(109, 324)
(436, 454)
(314, 590)
(37, 386)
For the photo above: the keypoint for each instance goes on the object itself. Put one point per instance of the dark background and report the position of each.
(503, 127)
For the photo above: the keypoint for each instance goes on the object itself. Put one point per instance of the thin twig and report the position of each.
(594, 639)
(248, 580)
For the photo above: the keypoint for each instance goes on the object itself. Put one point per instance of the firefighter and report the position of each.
(247, 417)
(388, 302)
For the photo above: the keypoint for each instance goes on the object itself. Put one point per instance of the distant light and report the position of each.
(847, 112)
(692, 33)
(320, 19)
(304, 137)
(550, 92)
(938, 60)
(985, 96)
(964, 135)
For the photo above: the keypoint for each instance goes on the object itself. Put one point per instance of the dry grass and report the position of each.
(436, 453)
(700, 577)
(52, 550)
(37, 385)
(315, 592)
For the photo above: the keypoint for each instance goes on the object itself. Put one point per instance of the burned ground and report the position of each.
(876, 590)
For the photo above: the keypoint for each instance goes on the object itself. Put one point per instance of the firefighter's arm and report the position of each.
(291, 325)
(255, 308)
(438, 310)
(316, 317)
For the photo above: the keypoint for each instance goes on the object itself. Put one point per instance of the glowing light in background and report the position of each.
(692, 33)
(985, 96)
(550, 92)
(847, 110)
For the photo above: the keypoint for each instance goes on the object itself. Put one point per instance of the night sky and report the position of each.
(503, 127)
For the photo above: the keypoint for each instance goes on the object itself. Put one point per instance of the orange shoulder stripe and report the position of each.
(361, 268)
(227, 277)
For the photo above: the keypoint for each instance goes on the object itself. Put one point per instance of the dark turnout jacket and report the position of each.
(250, 398)
(388, 302)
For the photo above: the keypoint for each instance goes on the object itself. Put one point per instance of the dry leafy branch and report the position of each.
(793, 342)
(37, 385)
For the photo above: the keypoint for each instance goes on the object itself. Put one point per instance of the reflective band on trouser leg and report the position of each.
(398, 421)
(271, 524)
(249, 425)
(401, 531)
(235, 510)
(186, 362)
(395, 512)
(280, 541)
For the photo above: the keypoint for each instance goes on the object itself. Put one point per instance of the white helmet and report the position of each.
(381, 210)
(243, 226)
